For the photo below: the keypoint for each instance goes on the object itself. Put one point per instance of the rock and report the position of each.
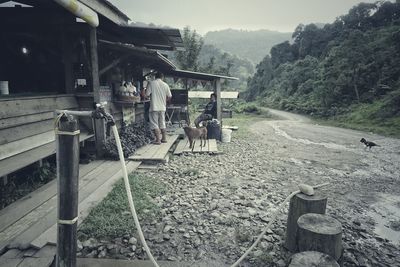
(79, 246)
(102, 254)
(92, 254)
(90, 243)
(133, 241)
(281, 263)
(167, 228)
(133, 248)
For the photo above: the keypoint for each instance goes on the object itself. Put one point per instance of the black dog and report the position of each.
(368, 143)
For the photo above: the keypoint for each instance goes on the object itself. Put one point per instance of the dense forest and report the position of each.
(207, 58)
(250, 45)
(347, 69)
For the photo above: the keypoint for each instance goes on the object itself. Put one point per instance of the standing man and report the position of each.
(210, 111)
(159, 93)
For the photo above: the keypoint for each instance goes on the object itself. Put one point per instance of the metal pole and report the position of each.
(67, 136)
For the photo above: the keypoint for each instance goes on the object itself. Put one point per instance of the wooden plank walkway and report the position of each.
(154, 153)
(31, 221)
(183, 147)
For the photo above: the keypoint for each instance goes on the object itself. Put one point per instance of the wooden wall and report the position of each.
(28, 122)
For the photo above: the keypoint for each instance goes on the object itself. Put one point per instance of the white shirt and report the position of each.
(158, 92)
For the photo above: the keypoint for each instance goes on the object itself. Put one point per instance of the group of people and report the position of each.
(159, 93)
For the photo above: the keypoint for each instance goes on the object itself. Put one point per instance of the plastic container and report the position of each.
(226, 135)
(4, 88)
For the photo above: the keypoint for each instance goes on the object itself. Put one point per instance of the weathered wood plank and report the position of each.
(41, 218)
(181, 146)
(19, 209)
(16, 162)
(154, 152)
(16, 147)
(13, 254)
(35, 262)
(163, 149)
(87, 185)
(23, 131)
(21, 107)
(85, 205)
(213, 146)
(10, 262)
(17, 121)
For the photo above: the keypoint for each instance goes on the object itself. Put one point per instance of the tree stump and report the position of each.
(301, 204)
(312, 259)
(317, 232)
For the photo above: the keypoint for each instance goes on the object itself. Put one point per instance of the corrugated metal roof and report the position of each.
(146, 57)
(198, 75)
(152, 37)
(206, 94)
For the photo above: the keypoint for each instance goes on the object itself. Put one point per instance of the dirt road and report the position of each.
(216, 206)
(365, 184)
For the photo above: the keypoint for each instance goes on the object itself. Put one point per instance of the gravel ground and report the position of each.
(217, 205)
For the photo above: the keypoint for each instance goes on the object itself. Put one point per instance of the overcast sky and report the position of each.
(207, 15)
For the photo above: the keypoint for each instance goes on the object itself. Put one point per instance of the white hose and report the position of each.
(269, 225)
(129, 194)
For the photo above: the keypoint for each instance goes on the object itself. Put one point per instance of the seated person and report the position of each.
(210, 111)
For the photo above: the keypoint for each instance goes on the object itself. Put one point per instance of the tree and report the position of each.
(193, 43)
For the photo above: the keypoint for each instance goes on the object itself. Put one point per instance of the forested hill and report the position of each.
(350, 67)
(251, 45)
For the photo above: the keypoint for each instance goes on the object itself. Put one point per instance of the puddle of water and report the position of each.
(386, 214)
(282, 133)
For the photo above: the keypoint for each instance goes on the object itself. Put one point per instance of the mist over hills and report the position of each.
(251, 45)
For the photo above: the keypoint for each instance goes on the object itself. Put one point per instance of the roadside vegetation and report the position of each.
(112, 217)
(346, 72)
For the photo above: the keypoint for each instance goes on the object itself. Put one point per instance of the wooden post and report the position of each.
(317, 232)
(301, 204)
(312, 258)
(67, 173)
(100, 129)
(217, 91)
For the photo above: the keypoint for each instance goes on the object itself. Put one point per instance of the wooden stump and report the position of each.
(301, 204)
(312, 259)
(321, 233)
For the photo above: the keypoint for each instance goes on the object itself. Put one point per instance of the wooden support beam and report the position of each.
(113, 64)
(94, 63)
(217, 91)
(100, 129)
(68, 184)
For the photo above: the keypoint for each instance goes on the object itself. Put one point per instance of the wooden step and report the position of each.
(154, 153)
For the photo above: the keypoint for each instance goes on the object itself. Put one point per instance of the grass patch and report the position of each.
(369, 118)
(243, 121)
(111, 218)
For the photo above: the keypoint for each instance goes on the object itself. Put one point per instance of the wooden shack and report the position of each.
(53, 57)
(50, 59)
